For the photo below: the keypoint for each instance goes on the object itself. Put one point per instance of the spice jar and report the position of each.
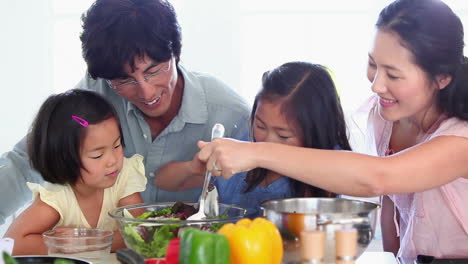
(346, 246)
(312, 247)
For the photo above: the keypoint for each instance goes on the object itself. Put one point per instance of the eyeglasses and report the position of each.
(126, 85)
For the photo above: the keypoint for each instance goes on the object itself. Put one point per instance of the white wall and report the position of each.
(24, 66)
(240, 41)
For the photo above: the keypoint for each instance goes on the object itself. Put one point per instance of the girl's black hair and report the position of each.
(55, 138)
(115, 32)
(434, 35)
(309, 100)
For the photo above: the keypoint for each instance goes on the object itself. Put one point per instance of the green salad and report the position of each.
(151, 240)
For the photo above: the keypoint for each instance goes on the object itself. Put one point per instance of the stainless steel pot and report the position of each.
(294, 215)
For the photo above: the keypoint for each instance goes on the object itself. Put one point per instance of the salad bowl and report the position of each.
(150, 232)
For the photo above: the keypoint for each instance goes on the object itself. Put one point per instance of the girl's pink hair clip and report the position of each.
(80, 120)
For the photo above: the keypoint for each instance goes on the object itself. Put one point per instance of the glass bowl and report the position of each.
(89, 244)
(150, 237)
(294, 215)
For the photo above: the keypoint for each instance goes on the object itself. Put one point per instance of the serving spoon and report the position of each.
(216, 132)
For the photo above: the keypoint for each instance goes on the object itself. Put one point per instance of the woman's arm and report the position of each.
(428, 165)
(28, 227)
(181, 175)
(391, 242)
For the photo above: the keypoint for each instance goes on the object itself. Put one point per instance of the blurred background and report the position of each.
(235, 40)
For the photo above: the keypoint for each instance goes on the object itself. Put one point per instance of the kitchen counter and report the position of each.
(377, 257)
(365, 258)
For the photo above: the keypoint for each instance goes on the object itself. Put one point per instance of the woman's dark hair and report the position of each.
(55, 137)
(434, 35)
(309, 100)
(115, 32)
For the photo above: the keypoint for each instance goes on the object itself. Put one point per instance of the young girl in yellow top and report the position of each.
(76, 143)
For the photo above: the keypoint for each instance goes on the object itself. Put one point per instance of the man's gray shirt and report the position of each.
(205, 101)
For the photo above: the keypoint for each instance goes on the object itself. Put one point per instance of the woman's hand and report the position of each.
(226, 157)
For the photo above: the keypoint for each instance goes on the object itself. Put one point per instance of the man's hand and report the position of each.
(197, 167)
(181, 175)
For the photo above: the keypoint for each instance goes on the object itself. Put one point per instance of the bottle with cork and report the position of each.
(312, 247)
(346, 246)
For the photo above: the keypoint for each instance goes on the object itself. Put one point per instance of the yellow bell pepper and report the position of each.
(253, 242)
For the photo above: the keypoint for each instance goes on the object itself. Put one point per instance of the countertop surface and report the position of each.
(377, 257)
(365, 258)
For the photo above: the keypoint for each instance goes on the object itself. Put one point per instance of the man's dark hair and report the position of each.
(115, 32)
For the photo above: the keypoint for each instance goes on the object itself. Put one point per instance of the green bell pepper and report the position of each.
(203, 247)
(8, 259)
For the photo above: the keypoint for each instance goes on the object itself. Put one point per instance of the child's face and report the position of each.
(101, 154)
(270, 125)
(403, 88)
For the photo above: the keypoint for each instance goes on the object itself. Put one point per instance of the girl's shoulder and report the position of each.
(135, 161)
(282, 186)
(48, 189)
(57, 196)
(131, 178)
(133, 167)
(232, 184)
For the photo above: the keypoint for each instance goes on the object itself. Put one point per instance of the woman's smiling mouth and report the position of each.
(387, 102)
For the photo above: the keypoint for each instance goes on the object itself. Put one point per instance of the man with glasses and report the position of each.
(132, 50)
